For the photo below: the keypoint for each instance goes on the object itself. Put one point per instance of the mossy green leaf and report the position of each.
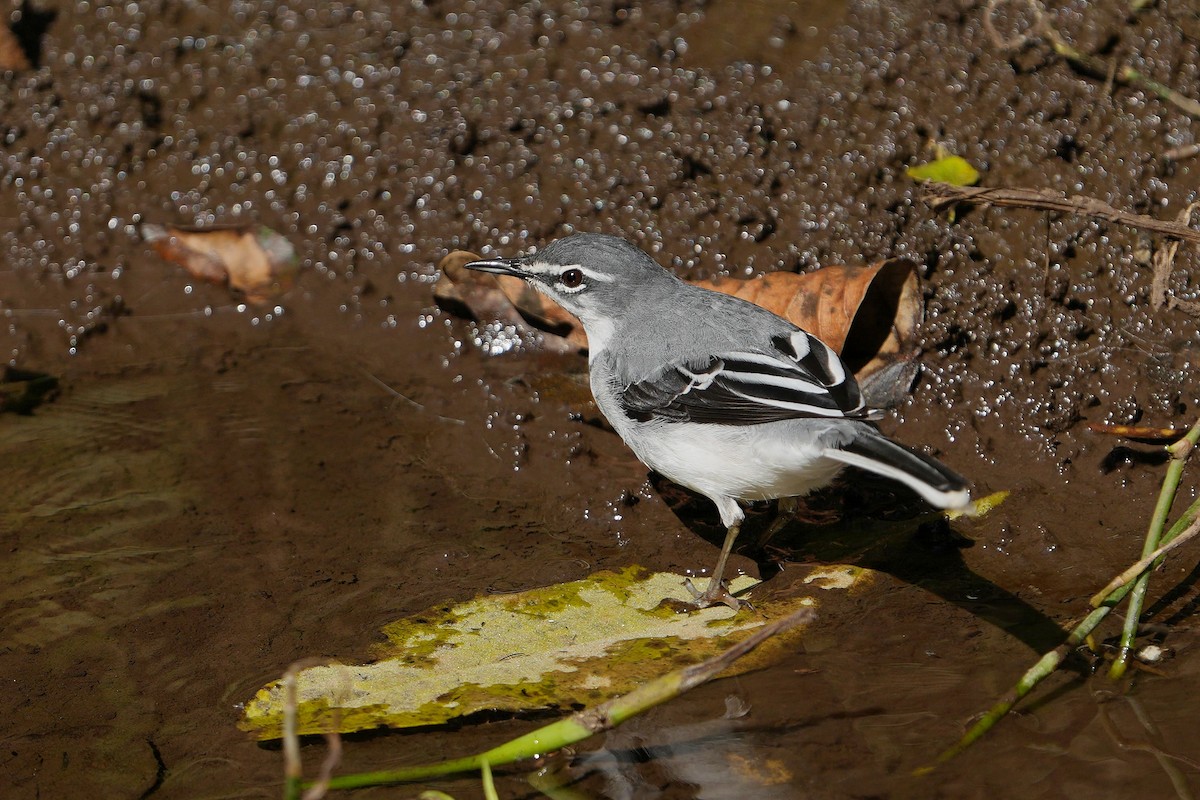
(954, 170)
(557, 647)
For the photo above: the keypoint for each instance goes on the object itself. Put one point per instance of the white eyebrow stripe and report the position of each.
(543, 268)
(597, 276)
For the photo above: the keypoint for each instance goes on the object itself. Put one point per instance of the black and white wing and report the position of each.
(797, 377)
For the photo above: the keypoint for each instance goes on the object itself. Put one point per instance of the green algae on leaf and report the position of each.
(560, 646)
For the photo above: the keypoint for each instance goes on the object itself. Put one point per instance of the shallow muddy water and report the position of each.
(218, 490)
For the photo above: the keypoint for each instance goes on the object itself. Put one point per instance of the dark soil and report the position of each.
(219, 489)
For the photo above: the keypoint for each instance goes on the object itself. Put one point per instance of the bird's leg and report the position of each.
(785, 512)
(717, 592)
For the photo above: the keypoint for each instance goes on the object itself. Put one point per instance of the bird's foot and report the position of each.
(717, 592)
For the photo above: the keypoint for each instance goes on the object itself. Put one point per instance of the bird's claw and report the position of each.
(717, 592)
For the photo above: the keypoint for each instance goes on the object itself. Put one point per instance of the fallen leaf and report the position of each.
(1141, 433)
(979, 508)
(870, 315)
(12, 57)
(252, 260)
(954, 170)
(508, 299)
(555, 647)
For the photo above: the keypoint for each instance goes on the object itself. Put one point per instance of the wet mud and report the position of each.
(218, 488)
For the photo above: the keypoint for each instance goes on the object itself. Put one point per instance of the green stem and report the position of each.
(584, 724)
(1144, 565)
(1184, 103)
(553, 784)
(489, 785)
(1129, 75)
(293, 777)
(1179, 452)
(1044, 667)
(1050, 661)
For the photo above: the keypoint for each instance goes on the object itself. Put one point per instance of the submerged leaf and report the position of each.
(560, 646)
(255, 261)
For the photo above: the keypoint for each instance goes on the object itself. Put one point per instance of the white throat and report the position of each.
(599, 333)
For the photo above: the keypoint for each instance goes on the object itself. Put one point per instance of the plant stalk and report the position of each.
(1179, 452)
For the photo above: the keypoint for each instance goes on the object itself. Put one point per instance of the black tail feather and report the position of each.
(938, 484)
(925, 468)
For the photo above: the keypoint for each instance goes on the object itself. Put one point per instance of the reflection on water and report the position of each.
(718, 758)
(87, 482)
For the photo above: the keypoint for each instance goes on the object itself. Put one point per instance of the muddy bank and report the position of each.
(220, 489)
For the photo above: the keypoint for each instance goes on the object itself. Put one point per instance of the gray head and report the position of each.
(592, 275)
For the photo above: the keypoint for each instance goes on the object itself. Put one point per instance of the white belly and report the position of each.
(758, 462)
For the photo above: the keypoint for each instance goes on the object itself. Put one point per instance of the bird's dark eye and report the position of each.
(572, 278)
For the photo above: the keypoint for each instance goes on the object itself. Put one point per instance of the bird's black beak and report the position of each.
(501, 266)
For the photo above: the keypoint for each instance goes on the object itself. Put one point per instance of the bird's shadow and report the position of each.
(872, 523)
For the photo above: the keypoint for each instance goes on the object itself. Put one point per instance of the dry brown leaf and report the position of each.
(869, 315)
(253, 260)
(1142, 433)
(508, 299)
(11, 55)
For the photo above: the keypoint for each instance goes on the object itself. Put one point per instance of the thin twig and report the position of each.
(1164, 262)
(409, 400)
(1182, 152)
(1186, 306)
(1085, 62)
(940, 195)
(1019, 39)
(1142, 433)
(333, 757)
(1144, 564)
(292, 768)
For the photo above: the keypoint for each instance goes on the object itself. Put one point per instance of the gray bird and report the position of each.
(716, 393)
